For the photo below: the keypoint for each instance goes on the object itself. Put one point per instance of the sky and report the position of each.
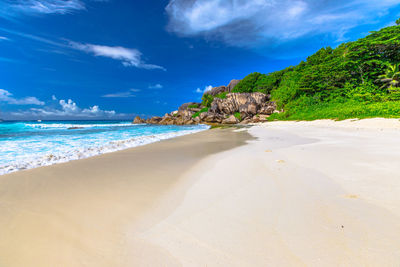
(115, 59)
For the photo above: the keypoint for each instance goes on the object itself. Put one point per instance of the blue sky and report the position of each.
(113, 59)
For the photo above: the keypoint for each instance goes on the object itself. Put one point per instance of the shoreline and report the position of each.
(78, 212)
(92, 151)
(281, 193)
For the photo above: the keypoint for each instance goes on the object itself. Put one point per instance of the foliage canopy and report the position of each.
(360, 73)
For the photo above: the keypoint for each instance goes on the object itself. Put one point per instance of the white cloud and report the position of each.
(3, 38)
(69, 106)
(67, 109)
(155, 86)
(48, 6)
(250, 22)
(206, 89)
(129, 57)
(7, 97)
(54, 98)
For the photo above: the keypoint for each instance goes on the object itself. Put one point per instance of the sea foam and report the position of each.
(29, 149)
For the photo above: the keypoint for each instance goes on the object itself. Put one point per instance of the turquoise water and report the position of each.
(25, 145)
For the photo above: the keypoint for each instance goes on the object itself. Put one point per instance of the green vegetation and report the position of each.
(207, 99)
(238, 116)
(198, 113)
(222, 95)
(341, 111)
(193, 106)
(391, 78)
(355, 80)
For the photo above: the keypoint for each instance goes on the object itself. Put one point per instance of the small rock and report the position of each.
(230, 120)
(138, 120)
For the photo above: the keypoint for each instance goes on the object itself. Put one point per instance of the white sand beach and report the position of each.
(319, 193)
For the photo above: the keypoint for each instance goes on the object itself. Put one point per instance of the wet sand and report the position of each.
(81, 212)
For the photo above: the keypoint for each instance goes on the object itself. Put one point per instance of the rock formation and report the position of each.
(236, 108)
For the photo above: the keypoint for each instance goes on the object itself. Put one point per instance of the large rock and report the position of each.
(154, 120)
(232, 85)
(221, 89)
(246, 103)
(138, 120)
(167, 120)
(186, 113)
(230, 120)
(217, 90)
(186, 105)
(268, 108)
(246, 121)
(209, 117)
(189, 122)
(260, 118)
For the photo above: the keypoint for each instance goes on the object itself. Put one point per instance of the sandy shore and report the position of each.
(298, 194)
(80, 213)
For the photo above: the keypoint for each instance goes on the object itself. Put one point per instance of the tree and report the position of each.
(398, 22)
(391, 77)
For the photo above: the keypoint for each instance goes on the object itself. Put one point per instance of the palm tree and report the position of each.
(391, 77)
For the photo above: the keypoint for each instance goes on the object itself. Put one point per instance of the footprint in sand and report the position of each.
(280, 161)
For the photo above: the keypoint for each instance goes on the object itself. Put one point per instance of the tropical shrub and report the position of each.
(207, 99)
(199, 112)
(238, 116)
(221, 95)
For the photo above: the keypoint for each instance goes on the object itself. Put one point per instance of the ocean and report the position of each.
(27, 144)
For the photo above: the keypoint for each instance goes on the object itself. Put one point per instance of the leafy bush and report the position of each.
(238, 116)
(207, 99)
(198, 112)
(193, 106)
(288, 89)
(255, 82)
(367, 92)
(221, 95)
(341, 111)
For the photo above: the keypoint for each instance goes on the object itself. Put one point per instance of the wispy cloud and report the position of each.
(156, 86)
(3, 38)
(7, 97)
(254, 22)
(125, 94)
(36, 38)
(129, 57)
(46, 6)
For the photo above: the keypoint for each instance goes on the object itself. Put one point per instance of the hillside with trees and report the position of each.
(355, 80)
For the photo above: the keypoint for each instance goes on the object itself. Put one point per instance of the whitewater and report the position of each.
(25, 145)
